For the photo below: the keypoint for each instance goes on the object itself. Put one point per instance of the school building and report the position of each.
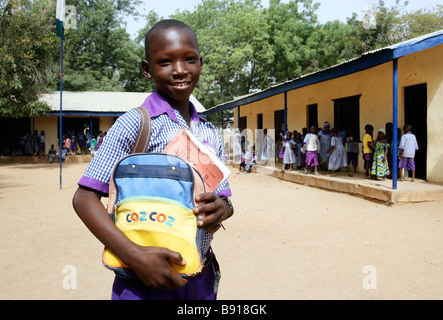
(402, 83)
(96, 111)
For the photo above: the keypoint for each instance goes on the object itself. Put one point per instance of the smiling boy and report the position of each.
(173, 62)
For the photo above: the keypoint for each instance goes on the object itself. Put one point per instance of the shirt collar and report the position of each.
(157, 105)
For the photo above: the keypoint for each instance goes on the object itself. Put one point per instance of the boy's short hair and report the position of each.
(368, 127)
(163, 25)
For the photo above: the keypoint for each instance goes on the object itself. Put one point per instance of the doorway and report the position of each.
(416, 107)
(347, 115)
(312, 118)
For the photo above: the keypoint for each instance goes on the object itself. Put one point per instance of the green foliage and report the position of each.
(245, 46)
(234, 44)
(421, 22)
(28, 56)
(99, 54)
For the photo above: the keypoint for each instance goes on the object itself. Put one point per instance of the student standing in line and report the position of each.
(408, 146)
(380, 167)
(368, 149)
(310, 148)
(337, 158)
(352, 152)
(324, 142)
(267, 152)
(288, 156)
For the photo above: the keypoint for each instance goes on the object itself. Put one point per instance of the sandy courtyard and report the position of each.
(285, 241)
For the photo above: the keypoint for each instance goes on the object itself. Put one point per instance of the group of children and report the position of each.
(324, 149)
(331, 150)
(377, 155)
(73, 144)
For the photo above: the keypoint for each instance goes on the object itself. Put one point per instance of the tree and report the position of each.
(291, 25)
(99, 54)
(422, 22)
(386, 32)
(28, 56)
(143, 84)
(234, 43)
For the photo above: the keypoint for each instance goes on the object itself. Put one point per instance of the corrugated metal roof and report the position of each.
(100, 101)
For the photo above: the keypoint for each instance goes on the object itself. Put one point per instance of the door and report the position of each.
(416, 105)
(312, 116)
(347, 115)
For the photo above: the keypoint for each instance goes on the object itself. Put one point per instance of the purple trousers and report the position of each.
(312, 158)
(407, 163)
(201, 287)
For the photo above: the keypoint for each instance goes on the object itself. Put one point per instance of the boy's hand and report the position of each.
(153, 267)
(211, 210)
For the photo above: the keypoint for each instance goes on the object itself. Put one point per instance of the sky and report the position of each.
(329, 9)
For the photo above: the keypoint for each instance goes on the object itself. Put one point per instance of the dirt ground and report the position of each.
(285, 241)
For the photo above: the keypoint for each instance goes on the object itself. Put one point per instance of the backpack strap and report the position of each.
(140, 146)
(144, 133)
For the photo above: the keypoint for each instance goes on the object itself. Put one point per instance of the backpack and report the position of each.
(151, 198)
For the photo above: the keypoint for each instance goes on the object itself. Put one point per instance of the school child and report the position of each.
(244, 154)
(88, 140)
(42, 143)
(281, 154)
(310, 148)
(389, 129)
(297, 151)
(324, 142)
(237, 146)
(36, 143)
(93, 144)
(408, 146)
(380, 167)
(267, 153)
(68, 144)
(288, 156)
(337, 158)
(100, 139)
(368, 149)
(52, 154)
(81, 141)
(250, 160)
(352, 152)
(74, 143)
(304, 132)
(174, 64)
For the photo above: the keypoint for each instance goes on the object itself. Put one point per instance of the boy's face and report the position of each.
(174, 63)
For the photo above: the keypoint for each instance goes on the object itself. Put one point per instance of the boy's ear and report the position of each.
(145, 69)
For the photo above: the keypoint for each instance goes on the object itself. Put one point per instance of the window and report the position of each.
(260, 121)
(279, 121)
(312, 117)
(243, 123)
(347, 114)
